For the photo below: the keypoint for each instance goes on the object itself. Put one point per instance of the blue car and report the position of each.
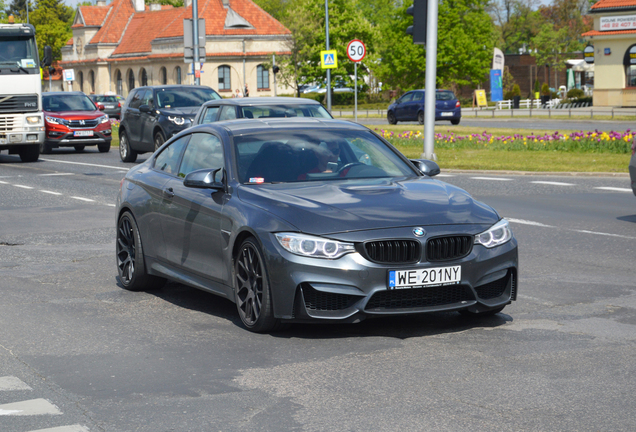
(410, 107)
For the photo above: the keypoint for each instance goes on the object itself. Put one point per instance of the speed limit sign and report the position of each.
(356, 50)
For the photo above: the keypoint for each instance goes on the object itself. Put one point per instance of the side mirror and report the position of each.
(47, 59)
(205, 179)
(427, 167)
(144, 108)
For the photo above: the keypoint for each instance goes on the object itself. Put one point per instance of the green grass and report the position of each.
(611, 158)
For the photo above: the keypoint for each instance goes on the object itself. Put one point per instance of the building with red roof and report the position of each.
(613, 52)
(126, 44)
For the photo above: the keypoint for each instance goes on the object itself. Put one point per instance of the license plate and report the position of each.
(109, 106)
(447, 114)
(83, 133)
(404, 279)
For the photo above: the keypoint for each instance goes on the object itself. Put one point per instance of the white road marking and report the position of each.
(615, 189)
(553, 183)
(71, 428)
(84, 163)
(50, 192)
(3, 182)
(83, 199)
(604, 234)
(8, 383)
(491, 178)
(527, 222)
(23, 186)
(29, 407)
(111, 205)
(55, 174)
(444, 175)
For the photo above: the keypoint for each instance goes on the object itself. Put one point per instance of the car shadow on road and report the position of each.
(401, 327)
(628, 218)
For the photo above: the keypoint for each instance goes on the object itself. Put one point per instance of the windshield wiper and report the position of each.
(20, 68)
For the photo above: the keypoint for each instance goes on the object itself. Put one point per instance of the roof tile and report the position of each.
(613, 4)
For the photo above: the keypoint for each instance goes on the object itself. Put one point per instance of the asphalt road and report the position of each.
(79, 353)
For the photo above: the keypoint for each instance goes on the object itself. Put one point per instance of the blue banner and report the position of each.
(496, 85)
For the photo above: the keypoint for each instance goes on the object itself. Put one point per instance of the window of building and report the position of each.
(131, 80)
(629, 62)
(163, 76)
(143, 77)
(119, 84)
(262, 77)
(80, 81)
(177, 72)
(91, 81)
(224, 78)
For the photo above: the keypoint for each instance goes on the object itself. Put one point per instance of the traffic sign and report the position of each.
(329, 59)
(356, 50)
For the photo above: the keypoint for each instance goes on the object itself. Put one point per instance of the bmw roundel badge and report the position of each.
(419, 232)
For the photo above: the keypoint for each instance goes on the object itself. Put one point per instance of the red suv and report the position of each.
(73, 120)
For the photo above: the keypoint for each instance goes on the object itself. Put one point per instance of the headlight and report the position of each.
(33, 120)
(176, 120)
(103, 119)
(315, 247)
(55, 120)
(496, 235)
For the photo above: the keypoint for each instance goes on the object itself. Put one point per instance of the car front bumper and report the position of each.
(353, 288)
(68, 140)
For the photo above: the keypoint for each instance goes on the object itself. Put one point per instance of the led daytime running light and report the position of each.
(315, 247)
(496, 235)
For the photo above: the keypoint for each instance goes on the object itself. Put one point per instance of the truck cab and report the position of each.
(21, 118)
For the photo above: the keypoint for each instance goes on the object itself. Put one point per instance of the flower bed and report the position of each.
(596, 142)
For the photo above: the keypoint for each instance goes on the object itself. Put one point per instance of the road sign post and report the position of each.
(356, 52)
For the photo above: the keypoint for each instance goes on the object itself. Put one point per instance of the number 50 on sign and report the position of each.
(356, 50)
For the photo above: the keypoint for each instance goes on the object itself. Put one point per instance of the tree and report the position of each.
(18, 8)
(549, 44)
(52, 20)
(516, 21)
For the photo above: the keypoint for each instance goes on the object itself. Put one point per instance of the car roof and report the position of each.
(248, 126)
(251, 101)
(63, 93)
(173, 86)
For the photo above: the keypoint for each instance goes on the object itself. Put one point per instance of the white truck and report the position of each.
(21, 119)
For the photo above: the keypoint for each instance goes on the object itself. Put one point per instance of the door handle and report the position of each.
(168, 193)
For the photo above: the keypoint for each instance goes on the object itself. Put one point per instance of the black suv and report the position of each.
(153, 114)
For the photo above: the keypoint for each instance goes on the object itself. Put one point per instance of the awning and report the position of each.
(580, 65)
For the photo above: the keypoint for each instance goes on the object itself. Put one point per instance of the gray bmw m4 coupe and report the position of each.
(309, 220)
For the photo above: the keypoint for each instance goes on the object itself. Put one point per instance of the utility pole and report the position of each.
(430, 81)
(195, 36)
(328, 70)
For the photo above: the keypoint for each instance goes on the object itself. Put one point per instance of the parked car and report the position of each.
(632, 166)
(259, 107)
(410, 107)
(153, 114)
(71, 119)
(112, 104)
(278, 216)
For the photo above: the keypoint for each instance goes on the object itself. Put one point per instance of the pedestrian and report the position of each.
(247, 91)
(237, 94)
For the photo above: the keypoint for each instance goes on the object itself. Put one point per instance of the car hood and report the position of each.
(341, 206)
(189, 112)
(75, 115)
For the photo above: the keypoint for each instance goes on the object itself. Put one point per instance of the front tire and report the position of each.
(45, 148)
(130, 256)
(30, 153)
(391, 118)
(79, 148)
(125, 152)
(253, 296)
(103, 148)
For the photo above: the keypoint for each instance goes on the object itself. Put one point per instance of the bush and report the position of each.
(575, 93)
(516, 90)
(545, 89)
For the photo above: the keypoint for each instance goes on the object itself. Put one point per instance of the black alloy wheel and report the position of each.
(391, 118)
(253, 299)
(420, 117)
(130, 256)
(159, 140)
(79, 148)
(125, 152)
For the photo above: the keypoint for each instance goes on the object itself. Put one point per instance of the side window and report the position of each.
(146, 99)
(406, 98)
(419, 96)
(204, 152)
(136, 100)
(210, 114)
(168, 160)
(228, 113)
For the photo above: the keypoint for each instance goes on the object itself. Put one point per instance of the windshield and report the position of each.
(19, 51)
(182, 97)
(59, 103)
(278, 110)
(315, 154)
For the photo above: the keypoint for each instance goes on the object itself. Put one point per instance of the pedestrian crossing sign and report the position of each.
(329, 59)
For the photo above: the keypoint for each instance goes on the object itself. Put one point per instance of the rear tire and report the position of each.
(455, 122)
(159, 140)
(420, 117)
(125, 152)
(391, 118)
(79, 148)
(30, 153)
(131, 265)
(253, 295)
